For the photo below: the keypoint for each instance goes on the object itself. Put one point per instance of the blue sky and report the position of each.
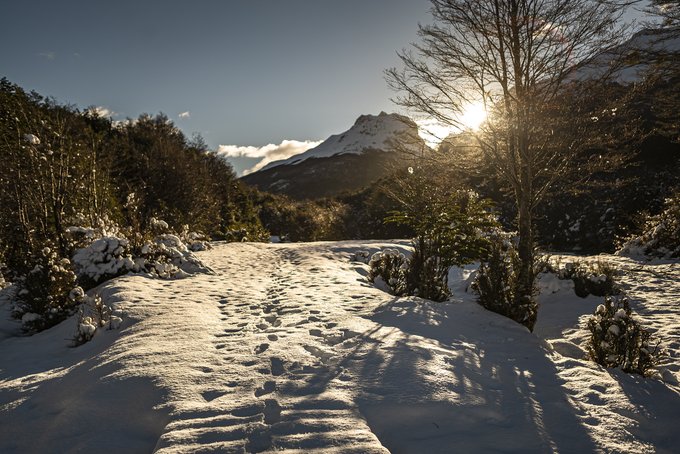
(250, 72)
(242, 73)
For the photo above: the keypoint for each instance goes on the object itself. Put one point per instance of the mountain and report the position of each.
(369, 150)
(630, 61)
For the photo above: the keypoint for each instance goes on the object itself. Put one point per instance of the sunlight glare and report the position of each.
(433, 132)
(473, 115)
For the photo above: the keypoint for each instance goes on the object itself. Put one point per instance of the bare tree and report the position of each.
(518, 58)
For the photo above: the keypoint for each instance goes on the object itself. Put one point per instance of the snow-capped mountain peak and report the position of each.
(369, 132)
(628, 62)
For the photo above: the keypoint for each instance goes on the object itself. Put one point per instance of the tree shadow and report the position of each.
(656, 410)
(80, 406)
(442, 378)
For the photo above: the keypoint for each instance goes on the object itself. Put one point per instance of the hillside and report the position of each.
(372, 148)
(288, 348)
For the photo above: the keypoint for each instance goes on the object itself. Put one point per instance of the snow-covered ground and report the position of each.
(287, 347)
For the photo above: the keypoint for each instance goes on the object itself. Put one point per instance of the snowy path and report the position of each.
(246, 359)
(275, 349)
(288, 348)
(654, 290)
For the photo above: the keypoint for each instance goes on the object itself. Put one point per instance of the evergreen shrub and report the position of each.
(618, 340)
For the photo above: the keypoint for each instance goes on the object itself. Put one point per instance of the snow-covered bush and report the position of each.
(164, 255)
(44, 295)
(361, 256)
(590, 278)
(168, 257)
(497, 283)
(92, 315)
(103, 259)
(660, 235)
(388, 268)
(618, 340)
(195, 241)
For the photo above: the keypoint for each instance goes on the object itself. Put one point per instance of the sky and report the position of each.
(240, 73)
(262, 78)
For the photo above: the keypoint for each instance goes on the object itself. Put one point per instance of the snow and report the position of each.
(370, 132)
(32, 139)
(288, 347)
(636, 54)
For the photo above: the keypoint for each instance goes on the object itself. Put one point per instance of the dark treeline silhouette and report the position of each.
(63, 167)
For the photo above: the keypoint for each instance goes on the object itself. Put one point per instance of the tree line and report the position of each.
(63, 167)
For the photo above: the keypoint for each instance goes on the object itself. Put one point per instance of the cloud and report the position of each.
(48, 55)
(184, 115)
(102, 111)
(268, 153)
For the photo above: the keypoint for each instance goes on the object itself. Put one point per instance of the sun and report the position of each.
(433, 132)
(473, 115)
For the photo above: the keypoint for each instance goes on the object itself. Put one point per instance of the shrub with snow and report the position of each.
(388, 269)
(497, 283)
(92, 315)
(361, 256)
(451, 227)
(43, 296)
(104, 259)
(660, 235)
(168, 257)
(618, 340)
(165, 256)
(195, 241)
(590, 278)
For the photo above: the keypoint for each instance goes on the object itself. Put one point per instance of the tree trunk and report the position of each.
(525, 248)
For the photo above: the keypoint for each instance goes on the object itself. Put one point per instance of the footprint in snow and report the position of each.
(277, 366)
(261, 348)
(267, 388)
(259, 440)
(212, 395)
(272, 411)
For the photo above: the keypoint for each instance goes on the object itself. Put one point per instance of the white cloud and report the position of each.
(48, 55)
(184, 115)
(102, 111)
(268, 153)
